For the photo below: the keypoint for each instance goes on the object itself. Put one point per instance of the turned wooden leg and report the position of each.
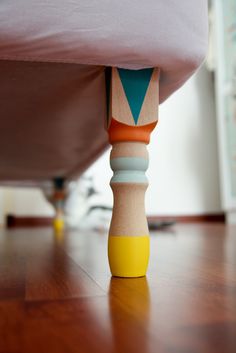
(58, 201)
(133, 114)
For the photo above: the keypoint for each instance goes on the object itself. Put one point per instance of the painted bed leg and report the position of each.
(133, 114)
(58, 200)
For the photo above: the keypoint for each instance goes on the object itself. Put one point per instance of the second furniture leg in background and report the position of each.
(133, 114)
(58, 201)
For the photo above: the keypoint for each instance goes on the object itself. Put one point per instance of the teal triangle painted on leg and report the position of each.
(135, 84)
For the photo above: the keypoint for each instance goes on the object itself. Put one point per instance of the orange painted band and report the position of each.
(59, 195)
(119, 132)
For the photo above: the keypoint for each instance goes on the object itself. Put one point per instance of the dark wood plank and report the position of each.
(11, 326)
(12, 276)
(12, 269)
(187, 303)
(53, 275)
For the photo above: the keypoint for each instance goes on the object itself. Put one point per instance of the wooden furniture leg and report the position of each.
(58, 201)
(133, 114)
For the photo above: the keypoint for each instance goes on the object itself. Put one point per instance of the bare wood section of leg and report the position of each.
(128, 218)
(56, 294)
(129, 149)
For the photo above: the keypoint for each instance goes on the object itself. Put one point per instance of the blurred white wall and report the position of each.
(23, 201)
(184, 176)
(183, 171)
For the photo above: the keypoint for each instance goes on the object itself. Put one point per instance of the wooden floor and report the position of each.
(57, 296)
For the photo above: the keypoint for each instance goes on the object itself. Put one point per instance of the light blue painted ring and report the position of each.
(129, 170)
(129, 177)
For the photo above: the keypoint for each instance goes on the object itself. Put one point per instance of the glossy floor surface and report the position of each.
(57, 296)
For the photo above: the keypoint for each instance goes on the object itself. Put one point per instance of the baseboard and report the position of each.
(203, 218)
(28, 221)
(33, 221)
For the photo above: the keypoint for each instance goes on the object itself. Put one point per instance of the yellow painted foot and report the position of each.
(128, 255)
(58, 225)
